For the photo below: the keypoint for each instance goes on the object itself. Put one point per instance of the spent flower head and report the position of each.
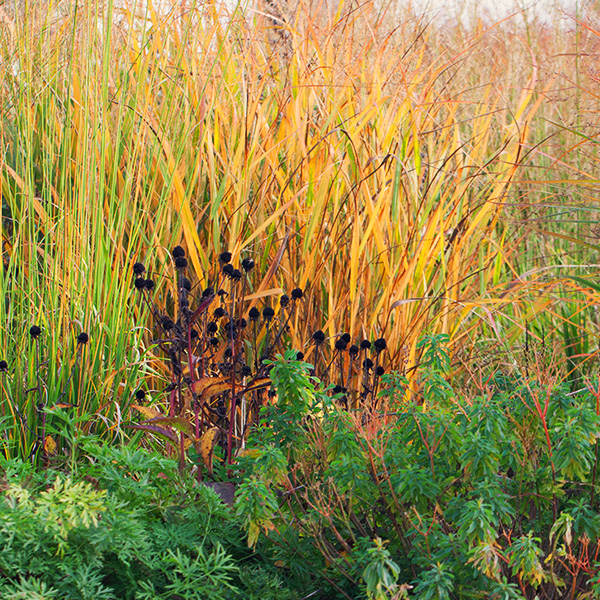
(138, 268)
(247, 265)
(318, 337)
(380, 345)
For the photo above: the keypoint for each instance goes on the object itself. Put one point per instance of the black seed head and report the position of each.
(380, 345)
(246, 371)
(83, 338)
(3, 366)
(379, 371)
(212, 327)
(338, 389)
(297, 293)
(247, 265)
(149, 284)
(318, 337)
(365, 345)
(225, 257)
(140, 283)
(254, 314)
(35, 332)
(236, 275)
(219, 312)
(300, 356)
(284, 301)
(140, 394)
(221, 293)
(214, 341)
(138, 268)
(368, 364)
(178, 252)
(340, 344)
(345, 337)
(228, 270)
(353, 350)
(227, 353)
(272, 393)
(186, 284)
(193, 334)
(181, 262)
(268, 313)
(167, 324)
(241, 323)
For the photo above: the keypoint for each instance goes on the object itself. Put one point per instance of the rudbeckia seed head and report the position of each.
(227, 270)
(149, 284)
(368, 364)
(181, 262)
(247, 265)
(284, 301)
(140, 283)
(299, 355)
(225, 257)
(219, 312)
(353, 350)
(379, 371)
(35, 332)
(3, 366)
(254, 314)
(297, 293)
(268, 313)
(340, 344)
(380, 345)
(318, 337)
(140, 394)
(346, 337)
(83, 338)
(178, 252)
(365, 345)
(138, 268)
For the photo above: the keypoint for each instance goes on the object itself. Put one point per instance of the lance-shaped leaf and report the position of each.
(146, 411)
(207, 446)
(178, 423)
(160, 431)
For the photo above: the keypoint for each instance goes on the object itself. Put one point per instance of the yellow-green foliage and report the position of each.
(366, 163)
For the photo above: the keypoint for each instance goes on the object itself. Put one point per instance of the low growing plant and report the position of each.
(439, 496)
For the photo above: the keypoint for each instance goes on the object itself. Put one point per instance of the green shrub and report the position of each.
(437, 496)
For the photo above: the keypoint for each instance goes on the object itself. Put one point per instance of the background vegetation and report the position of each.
(415, 178)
